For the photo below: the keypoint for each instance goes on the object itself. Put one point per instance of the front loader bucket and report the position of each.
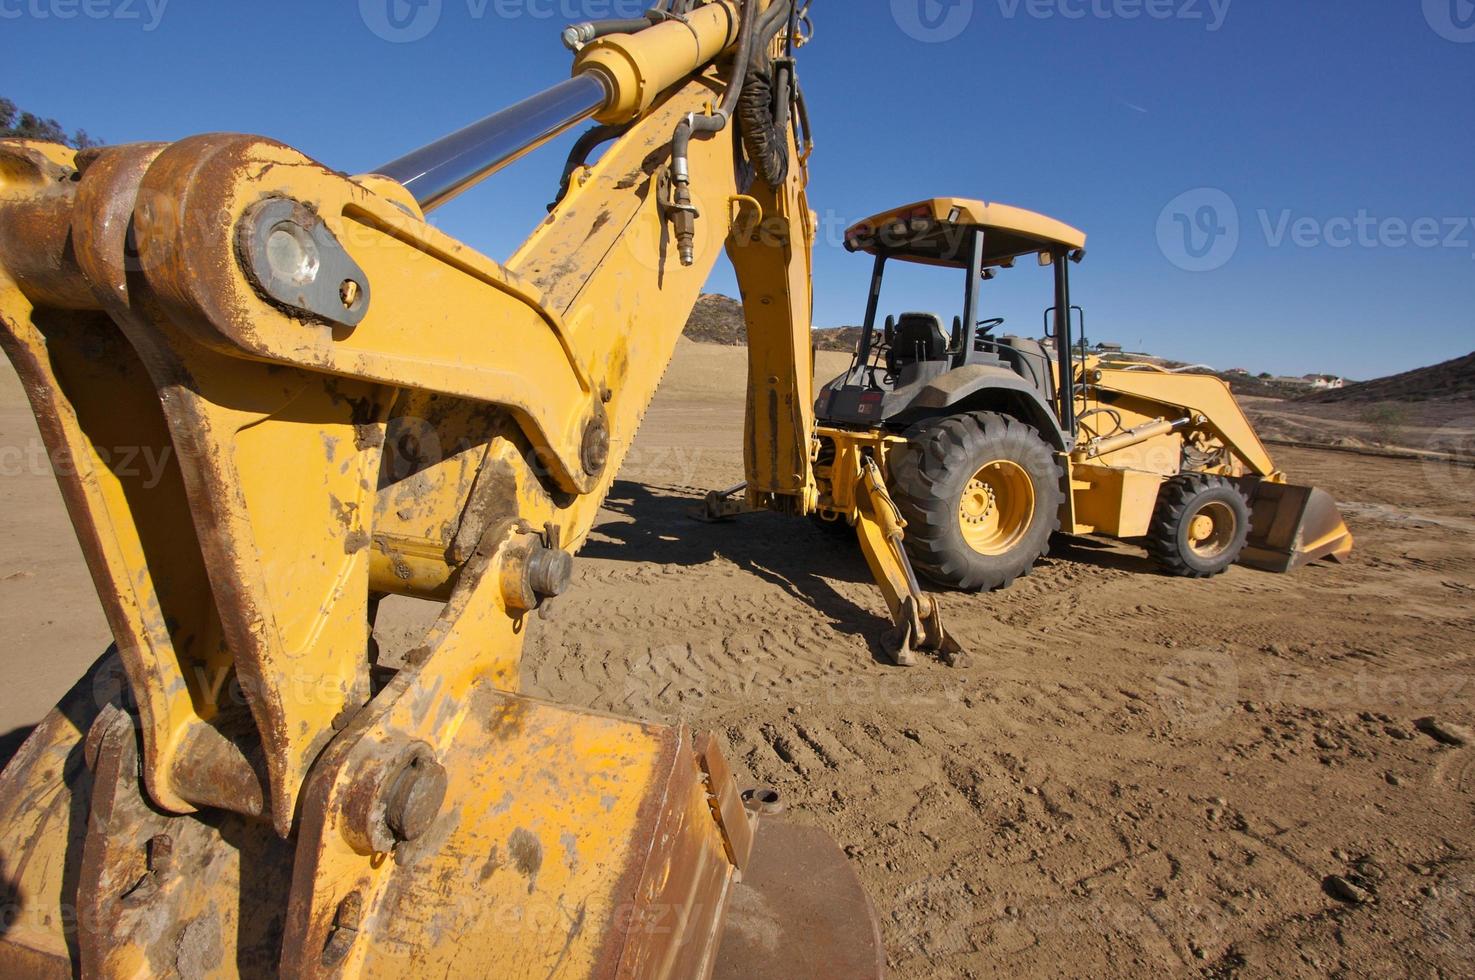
(1293, 526)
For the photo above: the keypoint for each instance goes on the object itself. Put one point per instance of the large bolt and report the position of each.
(549, 572)
(594, 452)
(415, 797)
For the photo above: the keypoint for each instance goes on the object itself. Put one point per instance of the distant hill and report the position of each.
(718, 319)
(1450, 381)
(1248, 384)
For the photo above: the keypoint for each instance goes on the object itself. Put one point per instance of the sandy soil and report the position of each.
(1134, 776)
(1420, 428)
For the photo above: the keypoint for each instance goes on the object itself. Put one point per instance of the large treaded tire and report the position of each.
(1181, 501)
(928, 480)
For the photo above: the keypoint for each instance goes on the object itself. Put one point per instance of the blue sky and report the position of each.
(1274, 185)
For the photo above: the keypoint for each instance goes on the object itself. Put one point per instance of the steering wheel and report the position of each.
(988, 326)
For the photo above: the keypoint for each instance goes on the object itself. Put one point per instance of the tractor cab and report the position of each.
(915, 365)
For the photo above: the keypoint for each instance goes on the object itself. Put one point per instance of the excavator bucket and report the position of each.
(1293, 526)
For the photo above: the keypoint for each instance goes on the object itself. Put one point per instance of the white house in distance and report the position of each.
(1316, 382)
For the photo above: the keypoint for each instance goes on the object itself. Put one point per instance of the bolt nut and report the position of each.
(549, 572)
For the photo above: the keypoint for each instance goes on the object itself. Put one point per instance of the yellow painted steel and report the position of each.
(637, 68)
(1147, 394)
(892, 230)
(466, 429)
(996, 508)
(1113, 500)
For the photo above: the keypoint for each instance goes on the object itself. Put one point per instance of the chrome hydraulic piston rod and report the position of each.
(616, 78)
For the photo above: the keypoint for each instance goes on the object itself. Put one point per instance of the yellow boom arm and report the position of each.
(352, 404)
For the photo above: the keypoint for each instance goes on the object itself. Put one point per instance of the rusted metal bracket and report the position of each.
(721, 506)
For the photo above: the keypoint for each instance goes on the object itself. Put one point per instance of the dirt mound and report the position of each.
(718, 319)
(1451, 381)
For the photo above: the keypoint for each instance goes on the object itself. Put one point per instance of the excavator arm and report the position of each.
(350, 404)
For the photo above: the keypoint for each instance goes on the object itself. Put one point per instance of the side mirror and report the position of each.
(890, 330)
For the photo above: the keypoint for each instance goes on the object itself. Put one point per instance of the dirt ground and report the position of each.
(1134, 775)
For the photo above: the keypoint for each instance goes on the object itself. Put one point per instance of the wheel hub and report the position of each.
(996, 508)
(979, 502)
(1211, 530)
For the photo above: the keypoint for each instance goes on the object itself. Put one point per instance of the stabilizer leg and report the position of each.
(917, 618)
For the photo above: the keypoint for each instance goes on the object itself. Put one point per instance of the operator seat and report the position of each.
(918, 338)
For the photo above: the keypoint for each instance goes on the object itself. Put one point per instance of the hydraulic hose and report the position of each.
(579, 155)
(576, 36)
(754, 30)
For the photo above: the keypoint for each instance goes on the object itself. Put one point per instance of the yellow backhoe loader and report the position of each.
(354, 405)
(991, 444)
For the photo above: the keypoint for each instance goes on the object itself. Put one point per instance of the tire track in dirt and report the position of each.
(1084, 797)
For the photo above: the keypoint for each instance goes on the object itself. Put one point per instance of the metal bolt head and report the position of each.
(349, 293)
(415, 798)
(595, 450)
(549, 572)
(292, 254)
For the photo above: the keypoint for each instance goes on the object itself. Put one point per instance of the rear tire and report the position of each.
(1200, 526)
(981, 497)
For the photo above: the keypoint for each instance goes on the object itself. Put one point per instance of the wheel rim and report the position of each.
(997, 507)
(1211, 531)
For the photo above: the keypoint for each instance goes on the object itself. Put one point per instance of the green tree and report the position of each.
(17, 124)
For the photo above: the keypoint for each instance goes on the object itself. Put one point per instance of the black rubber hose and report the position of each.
(763, 138)
(763, 118)
(579, 155)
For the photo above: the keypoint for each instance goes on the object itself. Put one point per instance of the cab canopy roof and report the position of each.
(935, 232)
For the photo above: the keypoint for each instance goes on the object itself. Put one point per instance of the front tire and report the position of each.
(981, 497)
(1200, 526)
